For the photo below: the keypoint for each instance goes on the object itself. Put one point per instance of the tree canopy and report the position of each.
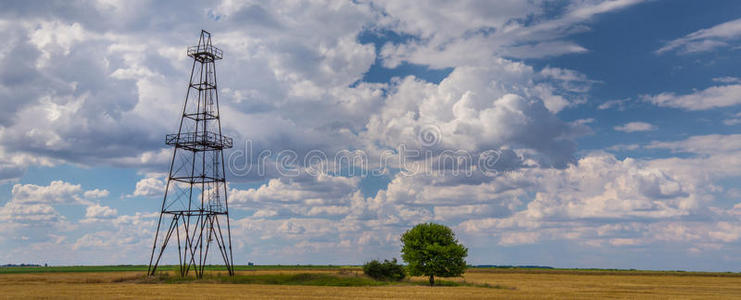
(432, 250)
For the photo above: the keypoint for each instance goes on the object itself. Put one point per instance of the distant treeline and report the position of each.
(512, 267)
(21, 265)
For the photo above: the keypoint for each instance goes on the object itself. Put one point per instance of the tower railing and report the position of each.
(199, 140)
(205, 53)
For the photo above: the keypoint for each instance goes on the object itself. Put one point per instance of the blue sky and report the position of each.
(613, 127)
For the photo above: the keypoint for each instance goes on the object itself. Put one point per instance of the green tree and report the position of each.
(432, 250)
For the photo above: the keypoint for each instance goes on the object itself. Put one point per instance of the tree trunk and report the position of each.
(432, 280)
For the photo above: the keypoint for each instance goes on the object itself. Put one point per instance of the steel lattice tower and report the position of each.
(195, 201)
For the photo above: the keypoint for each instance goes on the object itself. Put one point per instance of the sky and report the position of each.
(571, 133)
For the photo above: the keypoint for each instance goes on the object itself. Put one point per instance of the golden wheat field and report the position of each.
(511, 284)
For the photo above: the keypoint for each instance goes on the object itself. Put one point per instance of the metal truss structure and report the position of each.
(195, 206)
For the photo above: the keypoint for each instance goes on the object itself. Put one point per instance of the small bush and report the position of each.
(388, 270)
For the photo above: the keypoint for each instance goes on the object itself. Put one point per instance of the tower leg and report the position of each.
(150, 271)
(173, 225)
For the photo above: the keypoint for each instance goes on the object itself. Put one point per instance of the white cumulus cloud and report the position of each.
(635, 126)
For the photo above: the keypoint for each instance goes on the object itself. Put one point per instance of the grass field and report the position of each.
(296, 282)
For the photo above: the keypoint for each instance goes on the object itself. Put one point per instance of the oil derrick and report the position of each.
(195, 207)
